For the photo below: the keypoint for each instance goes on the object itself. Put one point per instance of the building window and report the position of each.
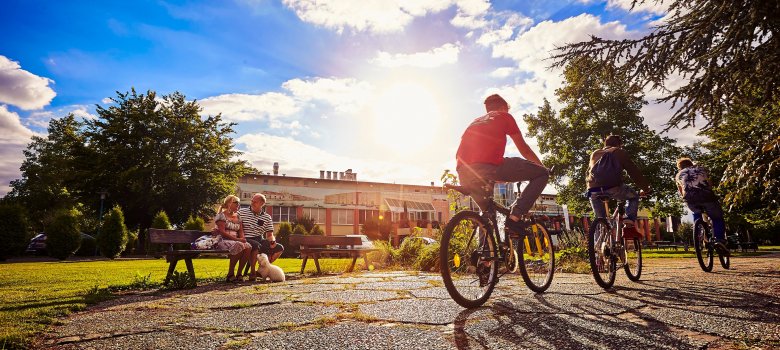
(318, 214)
(364, 215)
(343, 216)
(282, 214)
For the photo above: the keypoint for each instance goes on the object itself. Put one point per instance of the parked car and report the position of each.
(365, 242)
(425, 240)
(37, 245)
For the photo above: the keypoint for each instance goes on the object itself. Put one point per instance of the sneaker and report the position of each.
(483, 272)
(720, 247)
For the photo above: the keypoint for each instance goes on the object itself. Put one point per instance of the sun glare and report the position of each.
(406, 116)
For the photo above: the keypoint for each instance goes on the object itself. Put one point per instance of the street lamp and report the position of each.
(103, 194)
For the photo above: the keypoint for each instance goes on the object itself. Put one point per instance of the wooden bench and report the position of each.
(315, 246)
(172, 256)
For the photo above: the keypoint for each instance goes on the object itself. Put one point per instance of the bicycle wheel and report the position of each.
(633, 264)
(537, 259)
(469, 263)
(601, 243)
(704, 251)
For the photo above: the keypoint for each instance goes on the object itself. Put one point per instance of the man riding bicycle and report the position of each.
(694, 186)
(605, 177)
(481, 161)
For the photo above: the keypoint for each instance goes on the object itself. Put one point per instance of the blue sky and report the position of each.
(384, 87)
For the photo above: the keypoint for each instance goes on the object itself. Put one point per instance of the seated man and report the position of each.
(605, 176)
(694, 186)
(259, 230)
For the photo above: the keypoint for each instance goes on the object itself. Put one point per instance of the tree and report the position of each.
(51, 172)
(195, 223)
(14, 230)
(63, 237)
(723, 50)
(157, 153)
(597, 103)
(113, 235)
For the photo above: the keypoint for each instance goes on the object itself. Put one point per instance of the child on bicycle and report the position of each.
(605, 177)
(694, 186)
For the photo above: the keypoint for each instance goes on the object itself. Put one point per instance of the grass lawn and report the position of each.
(35, 293)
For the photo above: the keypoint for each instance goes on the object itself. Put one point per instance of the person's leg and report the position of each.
(478, 180)
(715, 213)
(244, 256)
(518, 169)
(624, 192)
(250, 269)
(598, 205)
(276, 252)
(233, 260)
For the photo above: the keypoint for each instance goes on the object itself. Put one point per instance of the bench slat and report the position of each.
(303, 240)
(160, 236)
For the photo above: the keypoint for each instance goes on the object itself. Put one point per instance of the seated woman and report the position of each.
(230, 228)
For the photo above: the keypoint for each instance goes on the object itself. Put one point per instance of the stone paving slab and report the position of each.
(674, 306)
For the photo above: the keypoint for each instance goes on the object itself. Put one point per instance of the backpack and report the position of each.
(607, 171)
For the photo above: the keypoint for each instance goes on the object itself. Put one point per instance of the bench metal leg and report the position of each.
(352, 267)
(365, 259)
(171, 268)
(317, 263)
(303, 266)
(190, 269)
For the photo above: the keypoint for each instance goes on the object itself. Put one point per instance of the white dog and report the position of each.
(267, 270)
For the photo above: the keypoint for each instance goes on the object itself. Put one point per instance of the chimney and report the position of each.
(431, 183)
(276, 168)
(328, 174)
(335, 175)
(341, 175)
(322, 174)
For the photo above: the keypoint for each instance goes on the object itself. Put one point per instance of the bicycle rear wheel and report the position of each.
(704, 250)
(469, 264)
(633, 264)
(537, 259)
(601, 245)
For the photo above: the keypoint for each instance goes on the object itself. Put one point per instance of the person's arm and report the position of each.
(240, 232)
(632, 169)
(524, 149)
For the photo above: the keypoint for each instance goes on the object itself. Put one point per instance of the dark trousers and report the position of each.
(478, 179)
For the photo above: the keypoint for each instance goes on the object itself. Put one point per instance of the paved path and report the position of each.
(675, 306)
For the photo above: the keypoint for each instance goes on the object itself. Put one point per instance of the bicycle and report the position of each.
(607, 245)
(472, 250)
(704, 241)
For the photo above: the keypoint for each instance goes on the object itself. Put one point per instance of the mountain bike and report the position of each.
(607, 246)
(704, 244)
(474, 249)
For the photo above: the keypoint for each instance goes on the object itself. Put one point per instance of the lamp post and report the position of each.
(103, 194)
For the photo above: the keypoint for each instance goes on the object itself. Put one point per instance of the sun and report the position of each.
(406, 117)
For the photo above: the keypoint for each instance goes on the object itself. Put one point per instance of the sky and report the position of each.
(382, 87)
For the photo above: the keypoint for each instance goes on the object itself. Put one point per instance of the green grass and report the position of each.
(34, 294)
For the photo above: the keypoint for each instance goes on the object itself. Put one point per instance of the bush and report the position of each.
(428, 260)
(113, 237)
(574, 260)
(283, 237)
(409, 251)
(385, 255)
(14, 230)
(63, 236)
(306, 222)
(317, 231)
(159, 221)
(195, 224)
(299, 230)
(132, 239)
(88, 246)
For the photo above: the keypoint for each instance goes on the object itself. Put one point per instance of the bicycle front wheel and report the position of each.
(633, 264)
(704, 250)
(537, 259)
(468, 258)
(601, 245)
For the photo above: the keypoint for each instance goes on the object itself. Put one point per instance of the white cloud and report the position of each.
(445, 54)
(243, 107)
(471, 14)
(14, 138)
(378, 16)
(513, 25)
(21, 88)
(650, 6)
(345, 95)
(503, 72)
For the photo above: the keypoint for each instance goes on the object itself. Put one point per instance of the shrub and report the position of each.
(63, 236)
(685, 231)
(161, 221)
(113, 237)
(385, 255)
(132, 239)
(408, 252)
(574, 260)
(317, 231)
(306, 222)
(14, 230)
(88, 246)
(283, 237)
(180, 280)
(428, 260)
(299, 230)
(194, 223)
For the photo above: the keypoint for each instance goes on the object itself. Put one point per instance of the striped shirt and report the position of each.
(255, 225)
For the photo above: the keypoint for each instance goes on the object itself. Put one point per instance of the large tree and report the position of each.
(155, 153)
(597, 103)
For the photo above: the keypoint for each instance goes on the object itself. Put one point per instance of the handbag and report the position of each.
(206, 242)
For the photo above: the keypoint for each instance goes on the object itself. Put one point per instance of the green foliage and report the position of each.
(300, 230)
(113, 236)
(453, 197)
(574, 260)
(428, 258)
(376, 229)
(283, 237)
(195, 223)
(409, 251)
(305, 221)
(385, 255)
(63, 237)
(88, 246)
(132, 240)
(180, 280)
(317, 231)
(14, 230)
(161, 221)
(572, 239)
(685, 231)
(598, 101)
